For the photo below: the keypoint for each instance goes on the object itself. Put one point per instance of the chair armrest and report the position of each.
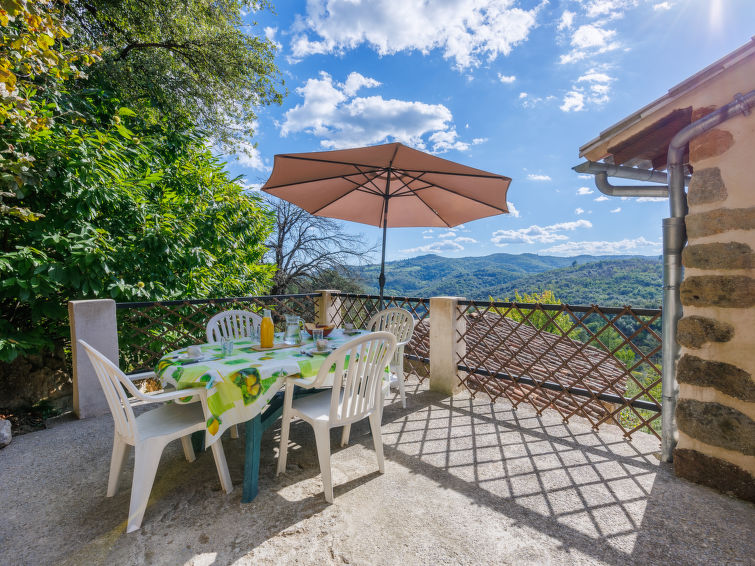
(196, 392)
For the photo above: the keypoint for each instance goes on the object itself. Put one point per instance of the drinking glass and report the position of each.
(317, 335)
(292, 335)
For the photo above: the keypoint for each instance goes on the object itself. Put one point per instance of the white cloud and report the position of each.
(532, 101)
(428, 231)
(574, 101)
(506, 79)
(460, 227)
(513, 211)
(637, 246)
(536, 177)
(270, 34)
(608, 8)
(538, 234)
(585, 176)
(591, 88)
(590, 39)
(478, 141)
(435, 248)
(652, 199)
(250, 157)
(615, 210)
(332, 112)
(579, 211)
(465, 240)
(566, 21)
(449, 234)
(584, 191)
(468, 32)
(662, 6)
(601, 198)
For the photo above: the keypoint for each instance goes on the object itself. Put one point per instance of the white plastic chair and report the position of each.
(233, 324)
(400, 323)
(357, 393)
(149, 433)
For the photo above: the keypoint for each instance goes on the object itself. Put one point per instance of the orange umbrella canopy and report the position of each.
(357, 184)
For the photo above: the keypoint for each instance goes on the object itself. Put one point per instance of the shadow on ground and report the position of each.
(467, 482)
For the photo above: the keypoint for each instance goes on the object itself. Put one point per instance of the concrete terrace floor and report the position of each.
(466, 482)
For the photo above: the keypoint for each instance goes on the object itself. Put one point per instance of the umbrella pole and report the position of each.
(381, 279)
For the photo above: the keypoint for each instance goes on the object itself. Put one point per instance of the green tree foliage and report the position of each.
(134, 207)
(192, 60)
(538, 318)
(34, 63)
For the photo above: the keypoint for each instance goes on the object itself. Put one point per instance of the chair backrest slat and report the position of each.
(115, 384)
(398, 322)
(232, 324)
(360, 366)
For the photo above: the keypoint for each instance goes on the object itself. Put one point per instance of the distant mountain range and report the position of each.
(584, 279)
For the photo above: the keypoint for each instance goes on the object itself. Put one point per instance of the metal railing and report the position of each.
(599, 363)
(146, 331)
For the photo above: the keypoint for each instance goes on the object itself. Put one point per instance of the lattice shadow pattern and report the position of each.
(146, 331)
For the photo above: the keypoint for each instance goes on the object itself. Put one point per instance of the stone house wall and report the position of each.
(716, 404)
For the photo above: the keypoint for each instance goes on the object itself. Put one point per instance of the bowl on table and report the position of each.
(326, 328)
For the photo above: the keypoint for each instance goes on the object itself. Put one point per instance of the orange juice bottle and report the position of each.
(267, 330)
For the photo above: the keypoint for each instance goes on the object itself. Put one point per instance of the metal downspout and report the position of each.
(674, 238)
(601, 182)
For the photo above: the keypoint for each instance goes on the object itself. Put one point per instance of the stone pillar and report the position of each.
(327, 307)
(716, 404)
(93, 322)
(446, 344)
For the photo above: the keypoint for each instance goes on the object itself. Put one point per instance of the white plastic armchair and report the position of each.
(400, 323)
(232, 324)
(357, 393)
(149, 432)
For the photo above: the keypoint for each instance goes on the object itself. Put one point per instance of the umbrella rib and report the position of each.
(345, 177)
(436, 185)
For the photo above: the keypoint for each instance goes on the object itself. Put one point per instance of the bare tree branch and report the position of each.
(305, 247)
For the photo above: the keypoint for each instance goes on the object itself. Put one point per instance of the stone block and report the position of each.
(694, 331)
(710, 144)
(717, 425)
(736, 291)
(726, 378)
(728, 255)
(719, 221)
(5, 433)
(706, 186)
(713, 472)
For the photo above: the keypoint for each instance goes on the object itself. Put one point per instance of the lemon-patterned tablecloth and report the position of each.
(239, 386)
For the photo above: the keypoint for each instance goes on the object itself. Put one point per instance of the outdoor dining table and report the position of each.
(244, 387)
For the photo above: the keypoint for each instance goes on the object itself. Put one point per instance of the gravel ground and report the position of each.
(466, 482)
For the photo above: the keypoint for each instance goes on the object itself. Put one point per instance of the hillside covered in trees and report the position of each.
(603, 280)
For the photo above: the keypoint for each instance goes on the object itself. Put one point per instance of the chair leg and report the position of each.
(288, 399)
(345, 434)
(322, 439)
(377, 438)
(145, 466)
(222, 466)
(116, 464)
(235, 431)
(188, 448)
(400, 379)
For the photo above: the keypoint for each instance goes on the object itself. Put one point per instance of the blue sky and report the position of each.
(510, 86)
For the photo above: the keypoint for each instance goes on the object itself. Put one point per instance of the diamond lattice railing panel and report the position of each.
(358, 309)
(146, 331)
(602, 364)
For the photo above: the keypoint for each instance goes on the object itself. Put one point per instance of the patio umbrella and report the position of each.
(389, 185)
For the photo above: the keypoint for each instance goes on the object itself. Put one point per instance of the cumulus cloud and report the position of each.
(465, 240)
(250, 157)
(636, 246)
(608, 8)
(591, 88)
(662, 6)
(566, 21)
(601, 198)
(529, 101)
(333, 112)
(585, 191)
(512, 209)
(588, 40)
(506, 79)
(579, 211)
(468, 32)
(536, 177)
(615, 210)
(538, 234)
(652, 199)
(449, 234)
(435, 248)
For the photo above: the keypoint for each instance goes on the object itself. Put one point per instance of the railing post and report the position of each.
(446, 344)
(326, 307)
(94, 322)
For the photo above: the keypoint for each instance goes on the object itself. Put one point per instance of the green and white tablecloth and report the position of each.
(239, 386)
